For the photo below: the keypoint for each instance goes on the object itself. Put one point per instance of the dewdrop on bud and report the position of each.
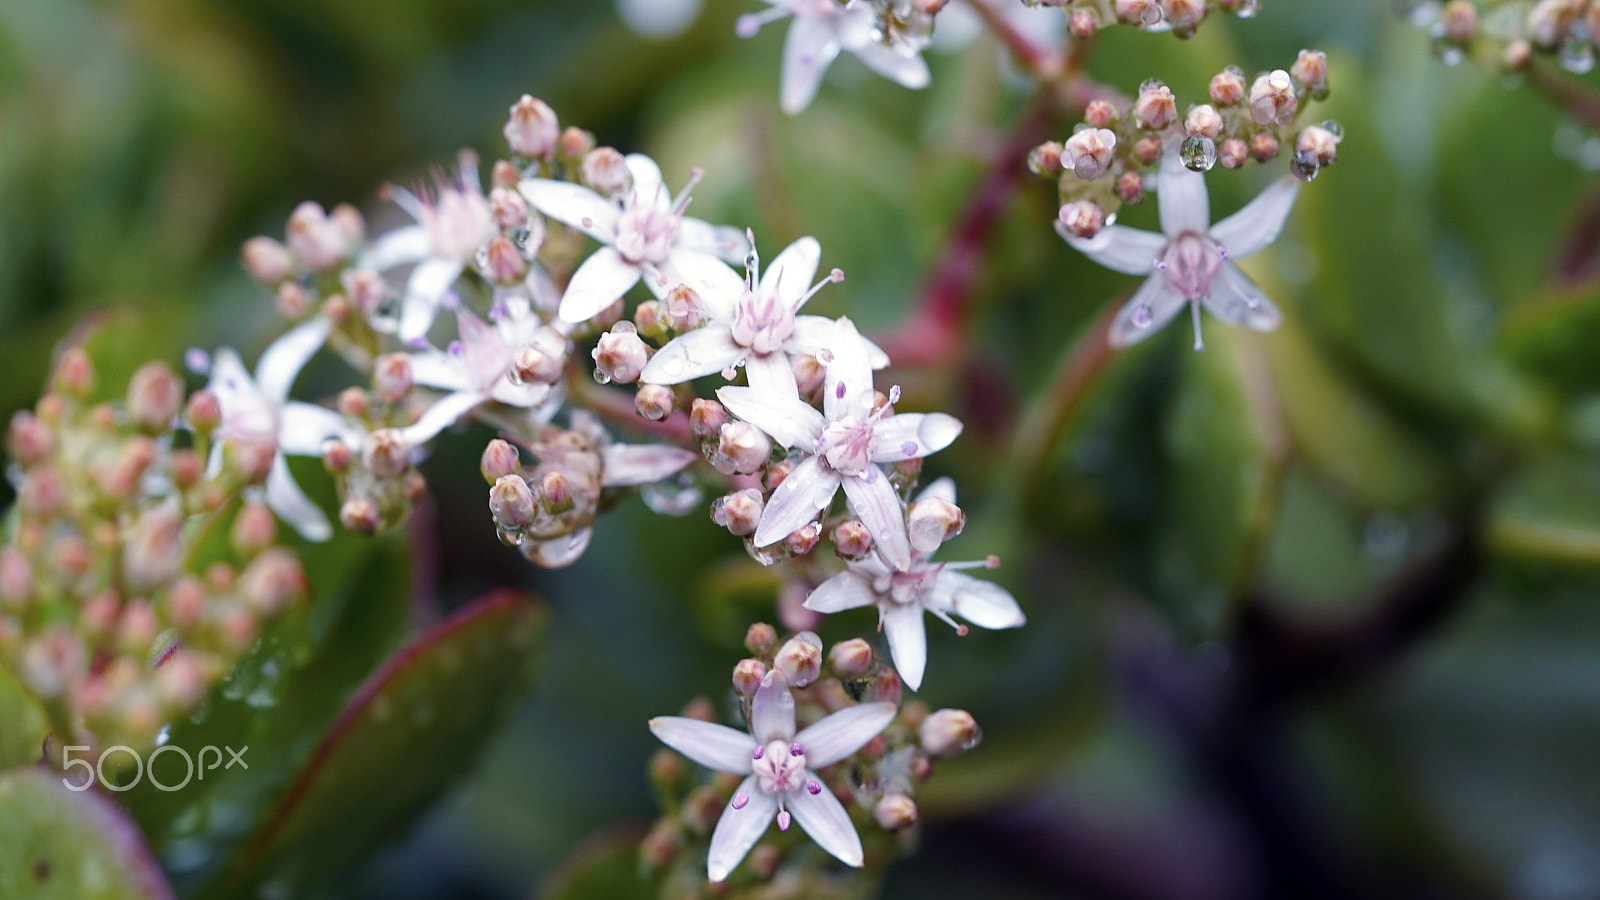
(760, 637)
(386, 453)
(266, 260)
(1137, 12)
(739, 512)
(506, 264)
(555, 493)
(851, 659)
(512, 503)
(706, 417)
(948, 732)
(745, 447)
(317, 240)
(1082, 218)
(1203, 121)
(895, 812)
(605, 170)
(155, 394)
(620, 355)
(254, 530)
(1272, 99)
(1227, 87)
(532, 130)
(1156, 108)
(1183, 15)
(360, 515)
(800, 659)
(391, 377)
(1088, 152)
(747, 676)
(499, 460)
(654, 401)
(1320, 142)
(932, 521)
(1045, 159)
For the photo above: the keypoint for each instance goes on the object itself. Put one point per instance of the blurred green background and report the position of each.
(1437, 377)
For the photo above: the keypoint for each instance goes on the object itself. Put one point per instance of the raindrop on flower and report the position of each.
(1304, 166)
(601, 377)
(1150, 84)
(675, 497)
(1141, 316)
(1577, 56)
(1333, 128)
(1199, 154)
(1151, 15)
(1447, 52)
(1248, 9)
(558, 552)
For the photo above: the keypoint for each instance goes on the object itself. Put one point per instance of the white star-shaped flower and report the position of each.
(258, 409)
(477, 368)
(779, 766)
(845, 444)
(925, 586)
(646, 235)
(757, 328)
(1191, 260)
(822, 28)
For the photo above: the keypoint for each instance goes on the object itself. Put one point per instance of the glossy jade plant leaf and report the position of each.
(57, 844)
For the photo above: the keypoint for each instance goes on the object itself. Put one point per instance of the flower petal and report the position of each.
(291, 504)
(725, 242)
(784, 417)
(846, 590)
(808, 490)
(627, 465)
(283, 359)
(1181, 195)
(303, 427)
(1159, 302)
(575, 205)
(693, 354)
(424, 290)
(444, 412)
(1260, 221)
(772, 710)
(1235, 299)
(719, 287)
(739, 829)
(813, 333)
(658, 19)
(842, 733)
(983, 603)
(824, 818)
(942, 489)
(404, 245)
(847, 389)
(648, 185)
(770, 374)
(878, 507)
(907, 70)
(808, 49)
(232, 384)
(440, 370)
(597, 284)
(526, 395)
(913, 435)
(707, 743)
(908, 640)
(789, 275)
(1119, 248)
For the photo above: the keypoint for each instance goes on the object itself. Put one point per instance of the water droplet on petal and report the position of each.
(1248, 9)
(1304, 166)
(1141, 316)
(558, 552)
(677, 497)
(1151, 16)
(1199, 154)
(601, 377)
(1577, 56)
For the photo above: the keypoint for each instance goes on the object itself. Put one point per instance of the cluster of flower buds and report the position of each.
(1107, 160)
(1507, 34)
(1181, 17)
(824, 733)
(117, 609)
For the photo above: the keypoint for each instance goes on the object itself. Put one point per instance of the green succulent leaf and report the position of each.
(57, 844)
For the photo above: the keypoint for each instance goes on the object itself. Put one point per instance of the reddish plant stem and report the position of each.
(616, 407)
(1041, 428)
(1569, 94)
(1044, 63)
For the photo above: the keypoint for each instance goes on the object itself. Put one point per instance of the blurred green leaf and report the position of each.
(1550, 513)
(24, 723)
(604, 868)
(57, 844)
(414, 727)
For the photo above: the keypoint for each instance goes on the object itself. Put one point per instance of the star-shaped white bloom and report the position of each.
(258, 409)
(821, 28)
(659, 19)
(1191, 260)
(646, 235)
(925, 586)
(451, 226)
(478, 368)
(845, 444)
(779, 766)
(757, 328)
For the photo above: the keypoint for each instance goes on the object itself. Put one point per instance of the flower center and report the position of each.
(762, 323)
(458, 223)
(905, 587)
(1190, 262)
(846, 445)
(779, 767)
(645, 232)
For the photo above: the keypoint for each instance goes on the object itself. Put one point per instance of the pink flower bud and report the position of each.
(803, 539)
(315, 239)
(555, 493)
(337, 456)
(1233, 153)
(885, 687)
(1155, 108)
(354, 403)
(1272, 99)
(1100, 114)
(747, 676)
(499, 460)
(574, 144)
(895, 812)
(360, 515)
(1227, 87)
(512, 503)
(739, 512)
(621, 355)
(254, 530)
(1263, 146)
(932, 521)
(681, 309)
(706, 417)
(544, 360)
(532, 130)
(74, 374)
(743, 447)
(28, 438)
(852, 540)
(267, 261)
(654, 401)
(16, 579)
(386, 453)
(1183, 15)
(1130, 187)
(1318, 142)
(1311, 68)
(180, 682)
(1082, 24)
(292, 300)
(153, 548)
(948, 732)
(186, 602)
(366, 289)
(760, 637)
(647, 319)
(137, 628)
(507, 266)
(851, 659)
(1082, 218)
(605, 170)
(1088, 152)
(800, 659)
(1203, 121)
(510, 210)
(272, 581)
(391, 377)
(1045, 159)
(347, 219)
